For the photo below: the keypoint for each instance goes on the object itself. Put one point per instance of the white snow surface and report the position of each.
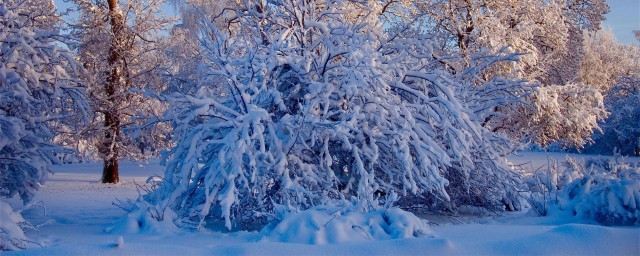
(345, 223)
(80, 209)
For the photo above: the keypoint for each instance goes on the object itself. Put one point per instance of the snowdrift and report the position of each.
(331, 225)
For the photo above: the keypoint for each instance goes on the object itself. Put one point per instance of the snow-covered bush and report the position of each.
(37, 96)
(604, 190)
(610, 196)
(541, 185)
(488, 103)
(315, 108)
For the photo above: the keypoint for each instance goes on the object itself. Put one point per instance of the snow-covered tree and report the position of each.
(620, 131)
(187, 69)
(614, 69)
(315, 105)
(550, 33)
(624, 102)
(569, 113)
(38, 94)
(123, 53)
(605, 60)
(541, 29)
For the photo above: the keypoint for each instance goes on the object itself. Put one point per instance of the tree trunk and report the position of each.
(110, 170)
(112, 135)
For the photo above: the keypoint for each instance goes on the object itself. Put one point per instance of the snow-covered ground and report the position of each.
(535, 160)
(80, 209)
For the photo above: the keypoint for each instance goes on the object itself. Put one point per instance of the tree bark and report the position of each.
(112, 134)
(110, 171)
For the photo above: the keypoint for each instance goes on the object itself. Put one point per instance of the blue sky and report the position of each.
(623, 18)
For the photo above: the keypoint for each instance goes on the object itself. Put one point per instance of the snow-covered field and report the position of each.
(79, 210)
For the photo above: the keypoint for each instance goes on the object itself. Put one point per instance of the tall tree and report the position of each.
(123, 53)
(117, 78)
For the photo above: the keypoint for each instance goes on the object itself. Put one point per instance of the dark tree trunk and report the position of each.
(110, 170)
(111, 146)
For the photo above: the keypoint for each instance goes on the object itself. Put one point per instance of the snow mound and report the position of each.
(119, 242)
(332, 225)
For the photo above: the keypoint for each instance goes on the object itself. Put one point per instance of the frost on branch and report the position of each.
(318, 109)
